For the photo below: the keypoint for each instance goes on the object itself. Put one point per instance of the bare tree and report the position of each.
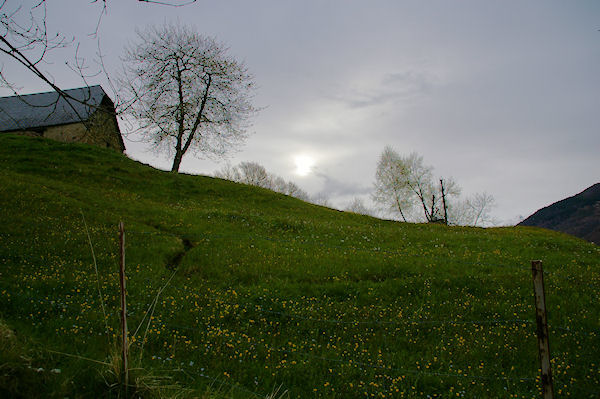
(449, 193)
(476, 210)
(279, 184)
(228, 172)
(255, 174)
(404, 184)
(391, 189)
(181, 3)
(186, 92)
(320, 199)
(358, 206)
(24, 39)
(288, 188)
(418, 178)
(293, 190)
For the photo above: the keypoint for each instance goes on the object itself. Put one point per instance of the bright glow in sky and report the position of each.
(304, 164)
(512, 112)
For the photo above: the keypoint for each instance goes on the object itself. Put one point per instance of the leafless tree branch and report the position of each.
(186, 92)
(168, 3)
(25, 38)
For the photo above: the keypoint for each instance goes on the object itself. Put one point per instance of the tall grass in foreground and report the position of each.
(268, 296)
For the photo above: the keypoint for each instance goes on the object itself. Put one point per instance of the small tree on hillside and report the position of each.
(358, 206)
(391, 189)
(255, 174)
(320, 199)
(186, 92)
(293, 190)
(475, 210)
(480, 205)
(405, 186)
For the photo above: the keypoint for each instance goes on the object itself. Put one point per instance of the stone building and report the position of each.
(88, 117)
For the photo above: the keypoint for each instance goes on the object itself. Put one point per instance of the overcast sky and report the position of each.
(504, 96)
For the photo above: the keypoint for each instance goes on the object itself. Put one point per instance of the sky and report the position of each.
(502, 96)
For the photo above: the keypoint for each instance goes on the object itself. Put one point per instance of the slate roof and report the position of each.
(42, 109)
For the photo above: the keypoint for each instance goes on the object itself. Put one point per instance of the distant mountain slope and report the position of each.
(578, 215)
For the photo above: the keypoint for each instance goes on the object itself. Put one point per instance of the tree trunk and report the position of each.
(427, 214)
(444, 201)
(400, 209)
(181, 147)
(177, 161)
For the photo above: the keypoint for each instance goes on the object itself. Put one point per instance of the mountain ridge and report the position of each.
(578, 215)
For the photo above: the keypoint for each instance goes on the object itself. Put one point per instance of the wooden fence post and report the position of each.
(123, 305)
(542, 329)
(444, 201)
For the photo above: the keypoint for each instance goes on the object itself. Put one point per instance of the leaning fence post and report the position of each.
(542, 329)
(124, 344)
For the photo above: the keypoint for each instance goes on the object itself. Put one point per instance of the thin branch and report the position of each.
(34, 38)
(164, 3)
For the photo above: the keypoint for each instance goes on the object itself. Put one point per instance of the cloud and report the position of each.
(508, 111)
(412, 82)
(387, 89)
(333, 187)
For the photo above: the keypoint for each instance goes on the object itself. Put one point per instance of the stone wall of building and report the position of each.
(71, 133)
(104, 131)
(101, 129)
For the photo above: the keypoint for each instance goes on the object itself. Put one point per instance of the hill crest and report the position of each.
(578, 215)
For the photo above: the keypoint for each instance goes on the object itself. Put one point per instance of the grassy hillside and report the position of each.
(239, 292)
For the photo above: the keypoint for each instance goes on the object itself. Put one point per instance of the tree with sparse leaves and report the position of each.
(404, 186)
(26, 40)
(358, 206)
(474, 210)
(255, 174)
(186, 93)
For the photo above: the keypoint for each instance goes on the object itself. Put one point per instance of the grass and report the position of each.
(268, 296)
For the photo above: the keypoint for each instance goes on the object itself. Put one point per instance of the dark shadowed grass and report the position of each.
(270, 296)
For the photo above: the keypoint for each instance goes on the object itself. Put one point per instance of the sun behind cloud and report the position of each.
(304, 164)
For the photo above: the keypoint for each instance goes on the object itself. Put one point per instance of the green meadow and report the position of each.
(239, 292)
